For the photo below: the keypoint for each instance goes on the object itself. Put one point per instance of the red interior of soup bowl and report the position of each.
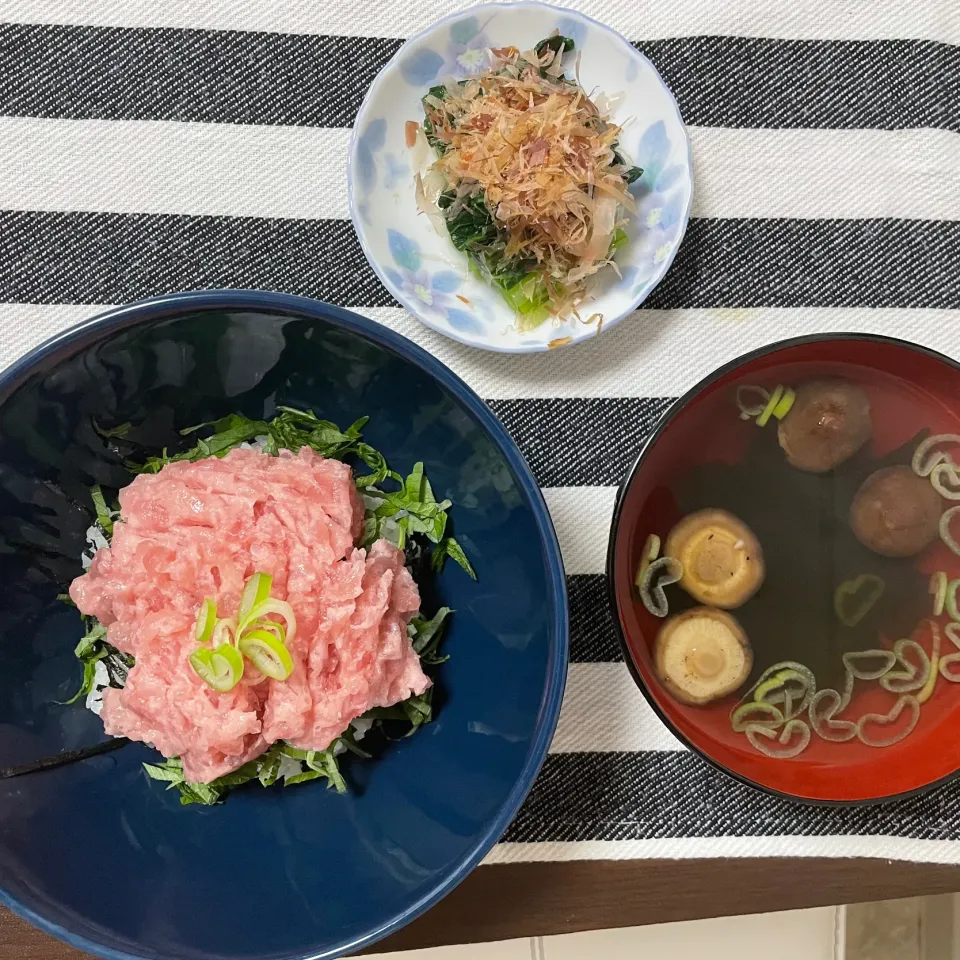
(847, 772)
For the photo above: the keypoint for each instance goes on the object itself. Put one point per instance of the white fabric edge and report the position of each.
(655, 353)
(581, 516)
(218, 169)
(802, 19)
(604, 711)
(704, 848)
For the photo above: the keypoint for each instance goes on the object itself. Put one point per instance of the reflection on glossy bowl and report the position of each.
(421, 268)
(703, 455)
(106, 859)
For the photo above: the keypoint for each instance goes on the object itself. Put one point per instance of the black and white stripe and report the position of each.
(645, 795)
(592, 638)
(215, 76)
(152, 166)
(82, 257)
(580, 442)
(146, 148)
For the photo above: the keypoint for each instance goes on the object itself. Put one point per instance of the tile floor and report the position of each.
(913, 929)
(797, 935)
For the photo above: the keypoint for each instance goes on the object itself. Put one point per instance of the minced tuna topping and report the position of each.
(198, 530)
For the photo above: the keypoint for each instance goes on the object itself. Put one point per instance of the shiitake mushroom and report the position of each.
(827, 424)
(722, 559)
(702, 655)
(895, 513)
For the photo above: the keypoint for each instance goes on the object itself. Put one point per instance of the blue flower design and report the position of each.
(652, 153)
(469, 58)
(405, 252)
(368, 143)
(574, 29)
(397, 171)
(421, 67)
(435, 291)
(463, 321)
(463, 31)
(465, 55)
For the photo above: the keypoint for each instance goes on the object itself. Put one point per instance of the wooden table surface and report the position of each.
(523, 900)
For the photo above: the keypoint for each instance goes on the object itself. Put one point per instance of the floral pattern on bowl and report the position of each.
(420, 268)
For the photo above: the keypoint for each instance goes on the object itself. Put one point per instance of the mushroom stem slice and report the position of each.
(722, 559)
(702, 655)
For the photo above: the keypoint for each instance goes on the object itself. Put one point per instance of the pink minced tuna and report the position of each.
(198, 530)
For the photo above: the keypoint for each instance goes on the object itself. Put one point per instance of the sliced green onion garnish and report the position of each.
(853, 661)
(748, 714)
(277, 629)
(220, 668)
(904, 703)
(866, 590)
(206, 620)
(749, 410)
(824, 707)
(775, 683)
(926, 691)
(255, 591)
(651, 550)
(224, 631)
(279, 607)
(785, 404)
(910, 677)
(922, 464)
(950, 600)
(793, 739)
(772, 685)
(659, 574)
(945, 479)
(938, 587)
(768, 412)
(952, 630)
(267, 653)
(945, 535)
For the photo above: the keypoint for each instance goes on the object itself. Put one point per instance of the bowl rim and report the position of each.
(358, 225)
(132, 314)
(661, 426)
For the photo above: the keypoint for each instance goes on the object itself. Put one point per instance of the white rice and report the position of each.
(258, 443)
(101, 680)
(96, 541)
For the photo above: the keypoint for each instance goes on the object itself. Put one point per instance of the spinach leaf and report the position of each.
(473, 225)
(429, 132)
(557, 44)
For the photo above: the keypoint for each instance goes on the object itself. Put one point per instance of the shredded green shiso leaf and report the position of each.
(401, 509)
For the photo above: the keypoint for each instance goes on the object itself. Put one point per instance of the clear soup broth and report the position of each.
(813, 630)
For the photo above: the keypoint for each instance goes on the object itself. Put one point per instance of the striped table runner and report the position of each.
(148, 147)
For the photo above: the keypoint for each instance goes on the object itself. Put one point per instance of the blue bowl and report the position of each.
(97, 854)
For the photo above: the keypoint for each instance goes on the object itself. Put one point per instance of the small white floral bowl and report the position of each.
(421, 268)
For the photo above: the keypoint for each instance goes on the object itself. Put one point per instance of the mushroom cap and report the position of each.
(702, 655)
(895, 513)
(722, 559)
(827, 424)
